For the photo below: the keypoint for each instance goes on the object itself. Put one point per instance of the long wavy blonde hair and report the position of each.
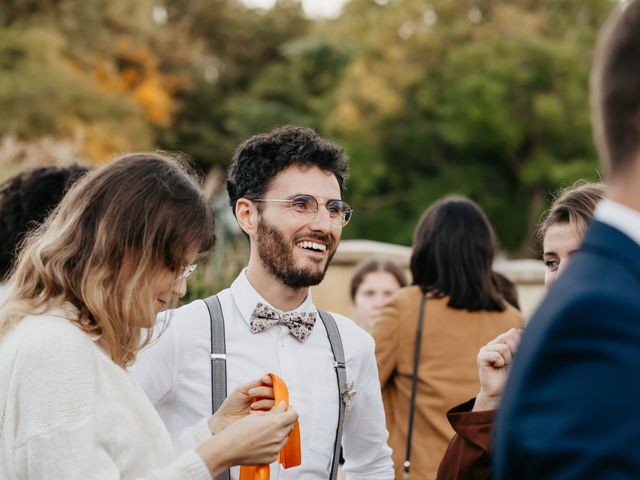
(115, 231)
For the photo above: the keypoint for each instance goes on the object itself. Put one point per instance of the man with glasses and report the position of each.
(285, 188)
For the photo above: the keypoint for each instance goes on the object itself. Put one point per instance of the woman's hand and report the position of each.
(255, 439)
(493, 362)
(253, 396)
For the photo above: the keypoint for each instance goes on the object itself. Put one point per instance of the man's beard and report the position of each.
(278, 257)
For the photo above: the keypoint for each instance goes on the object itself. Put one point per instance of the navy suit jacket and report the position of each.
(571, 406)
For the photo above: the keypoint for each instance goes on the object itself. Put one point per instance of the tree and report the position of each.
(486, 99)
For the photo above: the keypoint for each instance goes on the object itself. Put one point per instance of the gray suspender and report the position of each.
(219, 370)
(218, 360)
(341, 373)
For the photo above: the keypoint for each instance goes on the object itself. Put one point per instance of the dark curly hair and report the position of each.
(25, 201)
(260, 158)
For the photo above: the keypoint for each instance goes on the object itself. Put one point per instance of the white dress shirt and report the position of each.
(620, 217)
(175, 372)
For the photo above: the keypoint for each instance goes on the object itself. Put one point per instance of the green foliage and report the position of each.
(485, 99)
(482, 98)
(40, 95)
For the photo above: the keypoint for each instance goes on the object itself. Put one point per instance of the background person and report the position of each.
(25, 201)
(565, 225)
(372, 284)
(115, 253)
(453, 251)
(469, 452)
(565, 411)
(285, 188)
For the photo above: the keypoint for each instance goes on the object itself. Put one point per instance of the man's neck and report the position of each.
(625, 188)
(273, 290)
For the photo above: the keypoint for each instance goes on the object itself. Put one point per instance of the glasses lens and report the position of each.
(188, 270)
(304, 204)
(339, 210)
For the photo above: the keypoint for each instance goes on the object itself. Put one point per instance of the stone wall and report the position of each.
(333, 293)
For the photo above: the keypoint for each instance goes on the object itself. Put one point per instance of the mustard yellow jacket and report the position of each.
(447, 374)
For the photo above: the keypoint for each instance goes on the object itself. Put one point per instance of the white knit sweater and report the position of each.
(68, 412)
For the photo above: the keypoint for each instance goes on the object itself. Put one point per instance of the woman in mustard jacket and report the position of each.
(451, 265)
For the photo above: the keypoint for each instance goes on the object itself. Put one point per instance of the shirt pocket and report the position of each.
(324, 421)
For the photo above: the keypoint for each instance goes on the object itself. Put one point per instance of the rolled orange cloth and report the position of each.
(290, 455)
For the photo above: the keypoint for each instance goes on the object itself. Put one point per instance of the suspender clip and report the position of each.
(218, 356)
(337, 364)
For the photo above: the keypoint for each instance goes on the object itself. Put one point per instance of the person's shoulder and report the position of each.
(193, 311)
(194, 307)
(591, 284)
(402, 297)
(50, 328)
(408, 293)
(607, 304)
(512, 313)
(355, 339)
(582, 313)
(51, 340)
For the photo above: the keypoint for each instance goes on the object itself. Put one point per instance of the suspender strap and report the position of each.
(339, 363)
(414, 387)
(219, 370)
(218, 360)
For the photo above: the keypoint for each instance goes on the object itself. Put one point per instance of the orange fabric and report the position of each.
(290, 455)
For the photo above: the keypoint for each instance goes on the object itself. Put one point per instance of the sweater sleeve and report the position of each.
(469, 452)
(193, 437)
(56, 433)
(72, 453)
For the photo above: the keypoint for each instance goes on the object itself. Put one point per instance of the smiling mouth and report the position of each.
(312, 246)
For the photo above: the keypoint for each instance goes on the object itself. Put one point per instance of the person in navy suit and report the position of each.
(570, 406)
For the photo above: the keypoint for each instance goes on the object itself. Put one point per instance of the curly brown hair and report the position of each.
(25, 201)
(260, 158)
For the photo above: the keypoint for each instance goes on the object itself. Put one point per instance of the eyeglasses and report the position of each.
(188, 270)
(307, 206)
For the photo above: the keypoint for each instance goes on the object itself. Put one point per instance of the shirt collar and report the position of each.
(620, 217)
(246, 298)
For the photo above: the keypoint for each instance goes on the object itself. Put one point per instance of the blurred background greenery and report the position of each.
(486, 98)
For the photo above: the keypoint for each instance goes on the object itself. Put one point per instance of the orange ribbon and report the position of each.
(290, 455)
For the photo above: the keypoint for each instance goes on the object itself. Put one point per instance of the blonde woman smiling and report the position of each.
(114, 254)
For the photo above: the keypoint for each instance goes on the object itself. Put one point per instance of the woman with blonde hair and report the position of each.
(87, 286)
(565, 224)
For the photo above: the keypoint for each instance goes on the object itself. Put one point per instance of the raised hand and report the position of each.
(493, 363)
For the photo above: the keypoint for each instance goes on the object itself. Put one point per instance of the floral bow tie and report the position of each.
(299, 324)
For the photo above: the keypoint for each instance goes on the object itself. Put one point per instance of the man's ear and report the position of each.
(247, 216)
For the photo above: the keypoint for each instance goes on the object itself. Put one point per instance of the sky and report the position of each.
(312, 8)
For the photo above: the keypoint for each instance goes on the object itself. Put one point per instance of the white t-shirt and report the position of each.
(67, 411)
(176, 374)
